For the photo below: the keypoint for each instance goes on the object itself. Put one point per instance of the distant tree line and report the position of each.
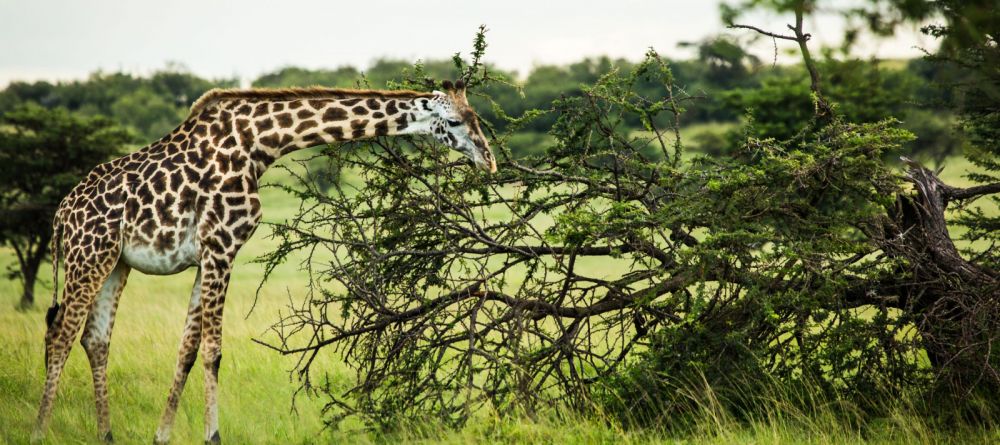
(728, 82)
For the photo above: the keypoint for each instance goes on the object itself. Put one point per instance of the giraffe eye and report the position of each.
(454, 123)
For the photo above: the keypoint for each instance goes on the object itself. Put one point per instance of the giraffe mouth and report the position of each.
(483, 159)
(490, 166)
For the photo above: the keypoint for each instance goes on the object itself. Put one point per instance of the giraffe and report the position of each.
(190, 200)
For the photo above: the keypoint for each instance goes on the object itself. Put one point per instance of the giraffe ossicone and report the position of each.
(190, 200)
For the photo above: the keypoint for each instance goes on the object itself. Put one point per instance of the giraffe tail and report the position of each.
(55, 245)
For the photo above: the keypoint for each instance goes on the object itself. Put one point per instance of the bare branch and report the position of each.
(763, 32)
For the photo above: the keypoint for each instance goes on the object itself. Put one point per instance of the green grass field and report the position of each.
(256, 389)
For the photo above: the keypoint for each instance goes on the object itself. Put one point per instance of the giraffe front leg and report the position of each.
(96, 340)
(188, 352)
(220, 243)
(214, 285)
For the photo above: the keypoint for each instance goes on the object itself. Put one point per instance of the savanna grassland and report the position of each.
(764, 251)
(256, 396)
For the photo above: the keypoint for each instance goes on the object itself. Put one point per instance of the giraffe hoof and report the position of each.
(215, 440)
(37, 435)
(109, 438)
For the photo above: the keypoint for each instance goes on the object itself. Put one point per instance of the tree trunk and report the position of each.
(28, 295)
(29, 271)
(955, 303)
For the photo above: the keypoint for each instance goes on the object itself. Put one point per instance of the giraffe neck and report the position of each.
(269, 128)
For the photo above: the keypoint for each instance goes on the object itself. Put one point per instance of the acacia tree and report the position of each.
(43, 155)
(614, 267)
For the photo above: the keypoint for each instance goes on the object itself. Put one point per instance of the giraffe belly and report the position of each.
(149, 260)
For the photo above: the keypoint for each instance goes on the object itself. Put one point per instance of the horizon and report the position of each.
(115, 37)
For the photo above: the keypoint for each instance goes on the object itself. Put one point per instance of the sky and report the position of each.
(68, 39)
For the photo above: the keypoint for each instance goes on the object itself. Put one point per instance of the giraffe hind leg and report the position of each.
(83, 280)
(187, 354)
(96, 340)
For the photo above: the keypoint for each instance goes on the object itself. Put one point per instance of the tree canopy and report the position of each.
(44, 153)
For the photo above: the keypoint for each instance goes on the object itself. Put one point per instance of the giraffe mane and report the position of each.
(218, 94)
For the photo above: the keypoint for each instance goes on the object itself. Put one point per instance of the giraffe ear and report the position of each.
(447, 85)
(459, 84)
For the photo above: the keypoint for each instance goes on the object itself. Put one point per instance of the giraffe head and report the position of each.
(455, 124)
